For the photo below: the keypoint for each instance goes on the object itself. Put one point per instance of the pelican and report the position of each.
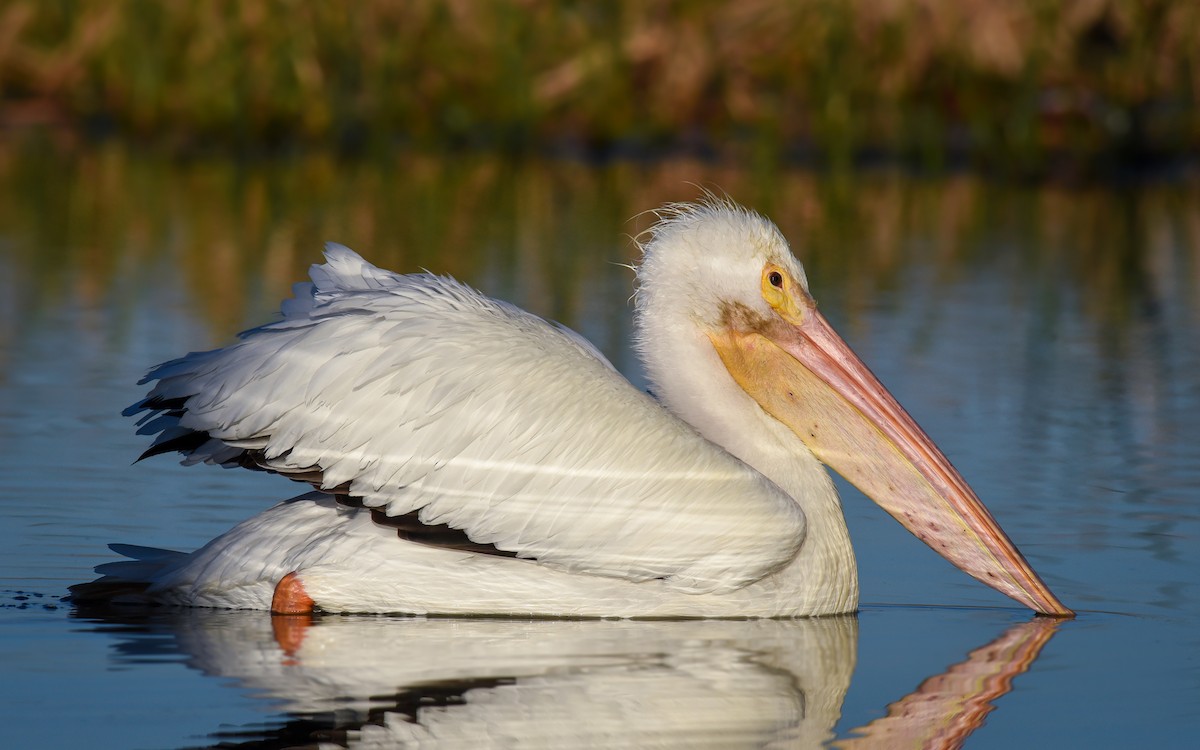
(468, 457)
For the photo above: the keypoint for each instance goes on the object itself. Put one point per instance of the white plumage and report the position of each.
(416, 402)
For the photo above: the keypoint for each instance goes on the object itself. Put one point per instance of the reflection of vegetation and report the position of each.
(1011, 81)
(93, 227)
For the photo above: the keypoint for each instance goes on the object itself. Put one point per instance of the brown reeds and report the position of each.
(1007, 81)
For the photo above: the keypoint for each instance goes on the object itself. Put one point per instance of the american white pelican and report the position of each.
(471, 458)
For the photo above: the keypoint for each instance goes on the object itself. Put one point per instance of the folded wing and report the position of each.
(423, 398)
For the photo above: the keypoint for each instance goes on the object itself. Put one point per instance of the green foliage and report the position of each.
(1007, 82)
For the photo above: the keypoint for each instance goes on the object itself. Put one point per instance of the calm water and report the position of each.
(1046, 338)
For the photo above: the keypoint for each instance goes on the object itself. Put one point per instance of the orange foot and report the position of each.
(290, 597)
(293, 601)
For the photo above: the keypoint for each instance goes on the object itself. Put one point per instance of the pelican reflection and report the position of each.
(379, 682)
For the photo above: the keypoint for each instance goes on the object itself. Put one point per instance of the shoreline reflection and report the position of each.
(353, 681)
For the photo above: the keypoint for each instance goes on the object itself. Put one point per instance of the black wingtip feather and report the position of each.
(411, 528)
(184, 444)
(156, 403)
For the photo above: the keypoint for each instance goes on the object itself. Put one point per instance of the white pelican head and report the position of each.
(730, 333)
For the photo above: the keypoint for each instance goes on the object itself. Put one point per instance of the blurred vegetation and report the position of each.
(1027, 86)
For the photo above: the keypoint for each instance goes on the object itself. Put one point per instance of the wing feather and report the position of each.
(421, 396)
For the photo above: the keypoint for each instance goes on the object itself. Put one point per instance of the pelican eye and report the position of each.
(776, 279)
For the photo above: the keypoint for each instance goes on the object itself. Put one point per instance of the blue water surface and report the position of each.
(1045, 338)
